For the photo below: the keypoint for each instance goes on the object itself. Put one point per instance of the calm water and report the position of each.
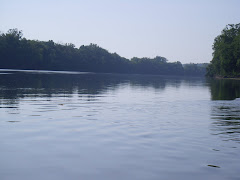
(103, 126)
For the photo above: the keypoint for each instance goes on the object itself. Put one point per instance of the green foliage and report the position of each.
(17, 52)
(195, 69)
(226, 55)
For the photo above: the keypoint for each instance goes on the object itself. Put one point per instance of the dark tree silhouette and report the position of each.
(17, 52)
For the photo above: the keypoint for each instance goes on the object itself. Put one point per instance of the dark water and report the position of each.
(104, 126)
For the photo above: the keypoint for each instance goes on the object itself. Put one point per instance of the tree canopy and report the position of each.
(226, 53)
(17, 52)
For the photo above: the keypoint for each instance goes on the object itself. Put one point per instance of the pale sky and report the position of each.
(180, 30)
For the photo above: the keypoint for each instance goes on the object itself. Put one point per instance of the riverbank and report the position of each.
(225, 77)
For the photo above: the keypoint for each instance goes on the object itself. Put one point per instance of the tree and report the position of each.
(226, 53)
(17, 52)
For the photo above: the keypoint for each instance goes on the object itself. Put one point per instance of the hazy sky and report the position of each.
(180, 30)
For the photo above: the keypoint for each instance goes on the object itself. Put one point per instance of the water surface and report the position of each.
(63, 125)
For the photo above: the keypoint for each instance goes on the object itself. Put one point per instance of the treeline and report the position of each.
(195, 69)
(226, 55)
(17, 52)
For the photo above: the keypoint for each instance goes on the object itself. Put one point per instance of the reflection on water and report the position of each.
(226, 119)
(224, 89)
(225, 114)
(64, 125)
(45, 84)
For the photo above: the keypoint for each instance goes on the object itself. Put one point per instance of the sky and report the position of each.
(180, 30)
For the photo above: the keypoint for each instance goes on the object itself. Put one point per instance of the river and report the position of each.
(71, 125)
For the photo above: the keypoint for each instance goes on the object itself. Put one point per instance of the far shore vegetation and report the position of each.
(17, 52)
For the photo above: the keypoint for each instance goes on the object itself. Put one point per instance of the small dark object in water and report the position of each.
(213, 166)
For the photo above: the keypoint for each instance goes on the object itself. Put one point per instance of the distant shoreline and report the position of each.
(89, 72)
(17, 52)
(232, 78)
